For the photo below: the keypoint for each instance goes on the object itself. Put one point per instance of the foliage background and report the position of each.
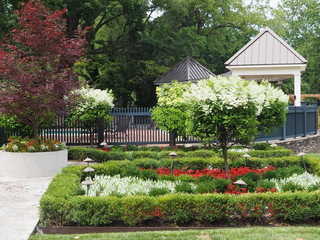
(133, 42)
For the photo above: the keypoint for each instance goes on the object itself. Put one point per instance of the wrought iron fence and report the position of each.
(135, 126)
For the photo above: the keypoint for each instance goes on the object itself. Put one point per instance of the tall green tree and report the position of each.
(133, 42)
(302, 26)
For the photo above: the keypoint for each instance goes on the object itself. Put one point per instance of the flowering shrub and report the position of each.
(93, 104)
(19, 144)
(231, 110)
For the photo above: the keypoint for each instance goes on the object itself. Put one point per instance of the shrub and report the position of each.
(221, 184)
(206, 187)
(314, 187)
(184, 187)
(145, 154)
(202, 153)
(81, 153)
(148, 174)
(147, 163)
(137, 209)
(132, 148)
(205, 178)
(265, 184)
(155, 149)
(158, 191)
(270, 153)
(132, 171)
(94, 211)
(288, 171)
(262, 146)
(116, 148)
(186, 178)
(291, 187)
(178, 208)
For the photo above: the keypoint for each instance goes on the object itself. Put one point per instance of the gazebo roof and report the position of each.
(267, 48)
(186, 70)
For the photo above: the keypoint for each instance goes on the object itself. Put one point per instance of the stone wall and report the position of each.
(309, 144)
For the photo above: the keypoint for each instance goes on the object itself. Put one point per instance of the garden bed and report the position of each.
(65, 203)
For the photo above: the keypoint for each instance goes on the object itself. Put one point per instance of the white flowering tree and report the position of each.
(92, 106)
(170, 114)
(231, 110)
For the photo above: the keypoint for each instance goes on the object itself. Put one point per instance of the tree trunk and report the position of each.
(172, 138)
(225, 159)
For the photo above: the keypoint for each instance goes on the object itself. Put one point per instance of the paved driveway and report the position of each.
(19, 201)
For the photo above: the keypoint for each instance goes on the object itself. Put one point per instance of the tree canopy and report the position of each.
(36, 66)
(133, 42)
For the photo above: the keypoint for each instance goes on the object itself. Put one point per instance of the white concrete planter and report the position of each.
(32, 165)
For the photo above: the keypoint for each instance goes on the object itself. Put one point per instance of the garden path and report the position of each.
(19, 202)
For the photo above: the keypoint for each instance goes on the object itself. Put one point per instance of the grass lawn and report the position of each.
(250, 233)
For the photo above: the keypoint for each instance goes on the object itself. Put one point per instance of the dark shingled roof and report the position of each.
(186, 70)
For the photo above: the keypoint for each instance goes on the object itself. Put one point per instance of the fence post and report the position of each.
(101, 124)
(284, 131)
(304, 105)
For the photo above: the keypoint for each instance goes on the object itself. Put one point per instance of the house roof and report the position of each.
(267, 48)
(186, 70)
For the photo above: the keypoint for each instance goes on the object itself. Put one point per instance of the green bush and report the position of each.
(235, 156)
(270, 153)
(265, 146)
(158, 191)
(288, 171)
(186, 178)
(184, 187)
(81, 153)
(148, 174)
(314, 187)
(206, 187)
(132, 148)
(261, 146)
(205, 178)
(137, 209)
(94, 211)
(291, 187)
(178, 208)
(202, 153)
(147, 163)
(145, 154)
(265, 184)
(221, 184)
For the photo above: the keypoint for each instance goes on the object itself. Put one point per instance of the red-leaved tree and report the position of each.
(36, 66)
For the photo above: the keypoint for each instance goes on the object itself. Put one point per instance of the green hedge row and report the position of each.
(80, 153)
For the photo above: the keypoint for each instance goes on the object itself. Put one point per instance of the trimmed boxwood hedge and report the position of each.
(80, 153)
(64, 203)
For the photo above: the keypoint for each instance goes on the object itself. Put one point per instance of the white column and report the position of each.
(297, 90)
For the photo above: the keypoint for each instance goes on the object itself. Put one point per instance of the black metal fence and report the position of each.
(135, 126)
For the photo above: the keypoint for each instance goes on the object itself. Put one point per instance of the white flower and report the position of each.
(109, 185)
(15, 148)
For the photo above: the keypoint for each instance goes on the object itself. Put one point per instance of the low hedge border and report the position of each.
(80, 153)
(63, 204)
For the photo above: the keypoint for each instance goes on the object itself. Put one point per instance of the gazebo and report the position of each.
(186, 70)
(269, 57)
